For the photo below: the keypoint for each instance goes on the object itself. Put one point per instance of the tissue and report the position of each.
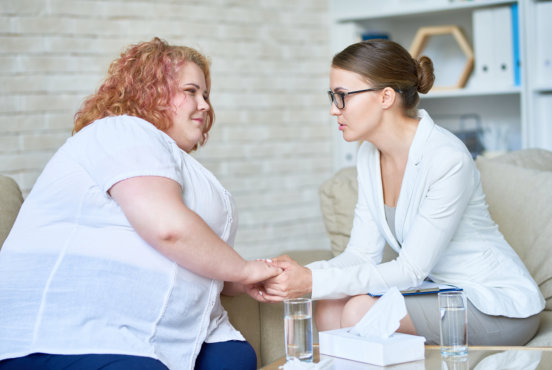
(384, 317)
(373, 339)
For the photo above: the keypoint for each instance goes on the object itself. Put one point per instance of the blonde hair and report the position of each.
(141, 83)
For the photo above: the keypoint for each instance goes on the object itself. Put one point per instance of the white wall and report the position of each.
(271, 143)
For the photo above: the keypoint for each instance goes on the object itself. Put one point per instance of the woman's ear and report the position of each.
(388, 97)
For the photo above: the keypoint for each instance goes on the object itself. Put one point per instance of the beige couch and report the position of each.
(519, 192)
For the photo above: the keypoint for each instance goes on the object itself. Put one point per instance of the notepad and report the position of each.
(427, 287)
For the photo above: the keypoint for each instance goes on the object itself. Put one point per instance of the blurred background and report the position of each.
(271, 145)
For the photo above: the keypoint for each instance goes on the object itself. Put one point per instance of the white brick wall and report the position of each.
(271, 144)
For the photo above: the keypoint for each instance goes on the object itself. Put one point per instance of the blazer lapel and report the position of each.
(377, 200)
(411, 173)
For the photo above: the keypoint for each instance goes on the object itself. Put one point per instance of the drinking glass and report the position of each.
(298, 328)
(455, 363)
(453, 324)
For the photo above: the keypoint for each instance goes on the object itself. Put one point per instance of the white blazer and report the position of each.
(443, 228)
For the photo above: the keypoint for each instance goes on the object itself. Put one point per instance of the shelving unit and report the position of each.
(516, 116)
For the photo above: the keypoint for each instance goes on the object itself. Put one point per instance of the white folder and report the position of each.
(503, 47)
(483, 47)
(544, 43)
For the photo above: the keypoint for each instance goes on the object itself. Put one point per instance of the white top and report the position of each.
(76, 278)
(443, 226)
(390, 217)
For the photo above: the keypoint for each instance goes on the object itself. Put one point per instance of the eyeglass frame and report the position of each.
(332, 94)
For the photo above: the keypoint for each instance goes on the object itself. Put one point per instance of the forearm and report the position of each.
(339, 282)
(155, 210)
(192, 244)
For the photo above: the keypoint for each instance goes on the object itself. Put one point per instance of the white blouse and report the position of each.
(76, 278)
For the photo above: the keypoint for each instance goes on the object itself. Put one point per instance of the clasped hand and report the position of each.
(293, 281)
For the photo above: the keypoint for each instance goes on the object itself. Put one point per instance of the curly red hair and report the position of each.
(141, 83)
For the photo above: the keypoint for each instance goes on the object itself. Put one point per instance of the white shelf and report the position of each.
(396, 8)
(517, 110)
(543, 89)
(468, 92)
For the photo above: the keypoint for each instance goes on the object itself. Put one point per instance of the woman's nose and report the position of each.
(334, 111)
(202, 104)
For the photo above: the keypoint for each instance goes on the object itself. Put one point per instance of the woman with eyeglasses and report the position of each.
(120, 252)
(419, 192)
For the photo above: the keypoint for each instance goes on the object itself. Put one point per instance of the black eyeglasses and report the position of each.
(338, 98)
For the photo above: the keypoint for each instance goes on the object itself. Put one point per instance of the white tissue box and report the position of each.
(372, 350)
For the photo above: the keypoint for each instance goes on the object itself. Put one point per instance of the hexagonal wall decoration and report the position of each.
(425, 33)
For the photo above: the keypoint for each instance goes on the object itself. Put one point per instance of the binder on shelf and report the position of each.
(516, 46)
(496, 53)
(483, 46)
(369, 35)
(544, 43)
(503, 53)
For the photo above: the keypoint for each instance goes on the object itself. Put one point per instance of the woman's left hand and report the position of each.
(295, 280)
(258, 293)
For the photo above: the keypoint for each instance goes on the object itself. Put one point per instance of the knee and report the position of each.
(231, 355)
(322, 314)
(355, 309)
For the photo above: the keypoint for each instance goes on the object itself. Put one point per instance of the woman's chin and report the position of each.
(349, 138)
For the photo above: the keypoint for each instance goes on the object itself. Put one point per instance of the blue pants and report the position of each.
(231, 355)
(44, 361)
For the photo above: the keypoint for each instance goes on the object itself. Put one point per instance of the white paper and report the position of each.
(383, 319)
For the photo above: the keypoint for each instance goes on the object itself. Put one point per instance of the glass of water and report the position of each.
(298, 329)
(455, 363)
(453, 324)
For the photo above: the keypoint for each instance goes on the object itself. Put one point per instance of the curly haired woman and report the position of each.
(121, 250)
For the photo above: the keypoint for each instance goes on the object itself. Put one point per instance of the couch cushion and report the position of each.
(544, 335)
(10, 202)
(519, 202)
(338, 197)
(304, 257)
(538, 159)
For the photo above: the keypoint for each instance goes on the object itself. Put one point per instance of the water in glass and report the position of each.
(298, 334)
(453, 331)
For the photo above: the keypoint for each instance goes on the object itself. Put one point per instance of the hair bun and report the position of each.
(426, 77)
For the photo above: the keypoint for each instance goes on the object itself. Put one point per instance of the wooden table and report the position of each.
(479, 357)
